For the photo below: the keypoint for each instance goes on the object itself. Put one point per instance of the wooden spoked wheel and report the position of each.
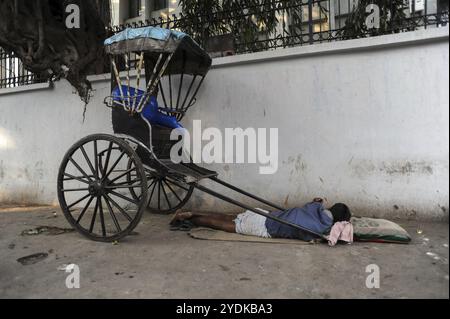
(95, 192)
(167, 194)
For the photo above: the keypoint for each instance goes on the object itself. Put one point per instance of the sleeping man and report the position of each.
(313, 216)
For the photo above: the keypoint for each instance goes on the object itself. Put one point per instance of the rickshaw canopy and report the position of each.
(188, 57)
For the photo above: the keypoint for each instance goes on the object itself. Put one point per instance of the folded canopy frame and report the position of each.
(162, 53)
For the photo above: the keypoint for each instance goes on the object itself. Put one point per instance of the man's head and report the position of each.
(340, 212)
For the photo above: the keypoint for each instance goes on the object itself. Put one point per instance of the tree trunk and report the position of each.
(37, 33)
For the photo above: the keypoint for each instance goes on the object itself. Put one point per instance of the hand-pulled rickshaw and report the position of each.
(105, 181)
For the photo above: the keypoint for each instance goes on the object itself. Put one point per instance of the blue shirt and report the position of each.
(311, 216)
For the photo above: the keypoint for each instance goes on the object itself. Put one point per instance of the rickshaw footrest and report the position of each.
(189, 169)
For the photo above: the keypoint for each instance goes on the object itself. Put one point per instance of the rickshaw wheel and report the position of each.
(95, 170)
(166, 193)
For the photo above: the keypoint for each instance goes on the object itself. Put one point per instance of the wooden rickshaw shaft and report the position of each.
(254, 210)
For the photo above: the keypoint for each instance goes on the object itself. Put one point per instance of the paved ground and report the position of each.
(158, 263)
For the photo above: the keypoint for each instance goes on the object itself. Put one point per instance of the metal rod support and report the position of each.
(247, 193)
(195, 93)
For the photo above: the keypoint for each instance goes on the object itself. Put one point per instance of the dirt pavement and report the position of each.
(158, 263)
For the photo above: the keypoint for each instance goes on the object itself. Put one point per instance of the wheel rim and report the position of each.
(93, 189)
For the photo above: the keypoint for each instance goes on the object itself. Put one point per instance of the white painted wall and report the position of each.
(363, 122)
(36, 129)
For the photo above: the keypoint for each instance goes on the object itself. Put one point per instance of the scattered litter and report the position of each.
(118, 273)
(419, 231)
(224, 268)
(115, 243)
(426, 239)
(32, 259)
(433, 255)
(30, 232)
(54, 215)
(445, 245)
(48, 230)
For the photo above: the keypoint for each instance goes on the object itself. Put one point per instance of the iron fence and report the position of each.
(13, 73)
(273, 24)
(285, 23)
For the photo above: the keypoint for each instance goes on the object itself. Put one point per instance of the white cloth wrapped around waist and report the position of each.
(250, 223)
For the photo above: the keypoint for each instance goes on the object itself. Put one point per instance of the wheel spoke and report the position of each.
(150, 182)
(124, 197)
(114, 165)
(119, 208)
(81, 199)
(84, 209)
(108, 155)
(173, 192)
(122, 175)
(159, 195)
(96, 158)
(165, 195)
(177, 184)
(102, 217)
(113, 216)
(153, 181)
(123, 186)
(80, 169)
(91, 228)
(74, 189)
(78, 178)
(153, 190)
(88, 160)
(150, 185)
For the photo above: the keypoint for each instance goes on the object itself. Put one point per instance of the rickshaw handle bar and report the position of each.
(247, 193)
(254, 210)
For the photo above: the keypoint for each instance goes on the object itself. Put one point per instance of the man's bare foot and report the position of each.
(180, 216)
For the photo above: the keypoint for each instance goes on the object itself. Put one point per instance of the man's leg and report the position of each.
(223, 222)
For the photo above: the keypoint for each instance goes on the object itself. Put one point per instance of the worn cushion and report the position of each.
(378, 230)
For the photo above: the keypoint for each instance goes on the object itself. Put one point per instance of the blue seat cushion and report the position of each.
(150, 111)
